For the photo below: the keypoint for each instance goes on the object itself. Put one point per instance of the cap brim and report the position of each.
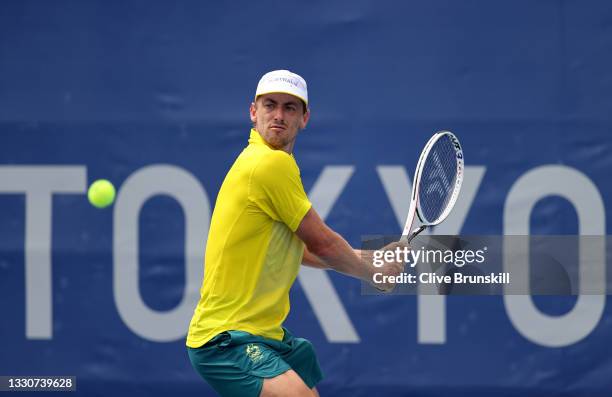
(282, 92)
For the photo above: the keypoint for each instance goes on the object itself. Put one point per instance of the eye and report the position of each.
(291, 108)
(269, 105)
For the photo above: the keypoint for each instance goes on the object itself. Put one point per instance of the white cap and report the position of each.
(285, 82)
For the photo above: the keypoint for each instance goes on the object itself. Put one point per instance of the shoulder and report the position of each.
(276, 162)
(273, 170)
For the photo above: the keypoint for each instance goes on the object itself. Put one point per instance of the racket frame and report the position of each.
(415, 206)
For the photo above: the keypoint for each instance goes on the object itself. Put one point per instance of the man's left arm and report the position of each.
(311, 260)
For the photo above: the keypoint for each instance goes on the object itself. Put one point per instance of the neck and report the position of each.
(289, 147)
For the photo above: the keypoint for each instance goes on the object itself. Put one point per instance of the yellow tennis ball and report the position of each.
(101, 193)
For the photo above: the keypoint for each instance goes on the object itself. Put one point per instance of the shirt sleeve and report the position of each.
(276, 188)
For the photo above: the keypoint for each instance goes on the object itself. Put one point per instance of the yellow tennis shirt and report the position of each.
(252, 254)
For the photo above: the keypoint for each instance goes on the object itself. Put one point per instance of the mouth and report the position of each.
(277, 127)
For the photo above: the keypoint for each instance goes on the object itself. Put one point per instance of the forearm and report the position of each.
(313, 260)
(339, 256)
(326, 249)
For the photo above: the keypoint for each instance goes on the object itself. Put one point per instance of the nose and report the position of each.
(279, 113)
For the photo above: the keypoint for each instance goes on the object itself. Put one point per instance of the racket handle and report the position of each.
(414, 233)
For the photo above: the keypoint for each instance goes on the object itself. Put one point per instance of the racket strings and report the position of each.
(438, 179)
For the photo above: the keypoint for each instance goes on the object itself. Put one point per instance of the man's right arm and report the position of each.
(327, 249)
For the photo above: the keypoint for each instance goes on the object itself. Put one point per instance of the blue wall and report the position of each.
(154, 96)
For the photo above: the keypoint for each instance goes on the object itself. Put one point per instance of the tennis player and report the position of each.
(263, 226)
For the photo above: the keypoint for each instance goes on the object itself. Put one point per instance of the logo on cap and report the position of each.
(283, 81)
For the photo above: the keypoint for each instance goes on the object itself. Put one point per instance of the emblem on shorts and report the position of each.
(253, 352)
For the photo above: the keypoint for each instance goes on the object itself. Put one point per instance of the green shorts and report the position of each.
(235, 363)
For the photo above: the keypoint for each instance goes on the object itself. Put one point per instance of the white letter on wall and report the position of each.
(431, 309)
(138, 188)
(555, 180)
(317, 285)
(39, 183)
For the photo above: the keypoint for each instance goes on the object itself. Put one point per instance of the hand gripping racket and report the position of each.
(437, 182)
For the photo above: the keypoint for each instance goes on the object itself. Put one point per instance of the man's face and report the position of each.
(279, 118)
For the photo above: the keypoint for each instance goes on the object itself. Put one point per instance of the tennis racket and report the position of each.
(437, 182)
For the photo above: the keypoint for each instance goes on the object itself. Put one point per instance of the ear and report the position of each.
(253, 112)
(304, 119)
